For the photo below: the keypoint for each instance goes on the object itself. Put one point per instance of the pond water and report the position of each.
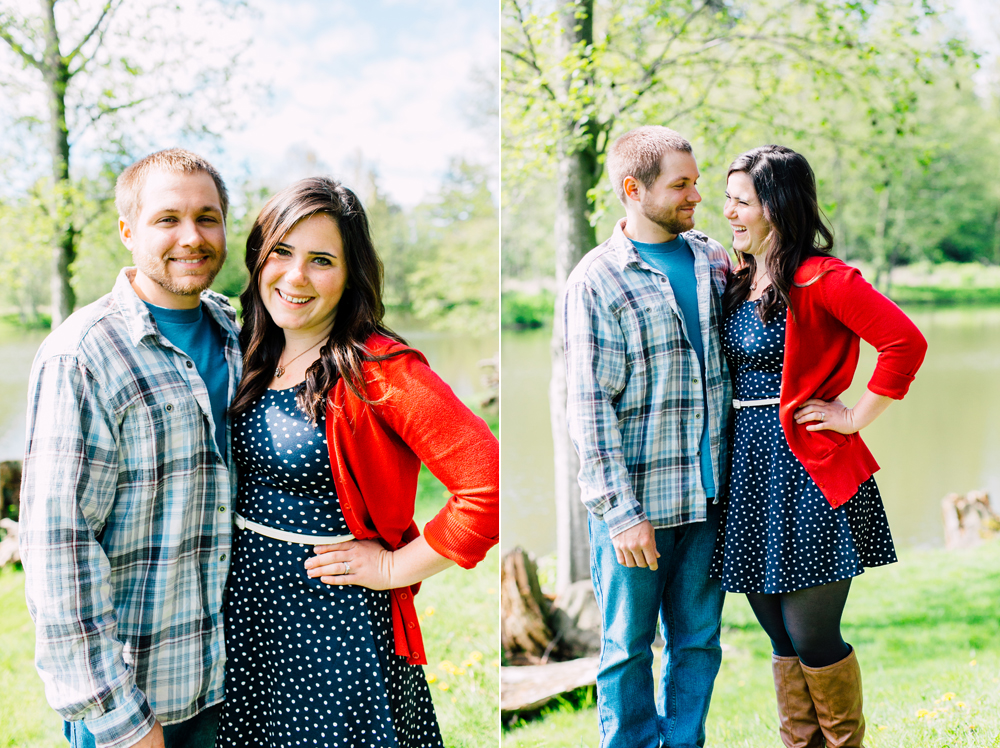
(455, 357)
(944, 437)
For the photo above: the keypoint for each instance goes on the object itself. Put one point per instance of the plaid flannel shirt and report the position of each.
(635, 392)
(125, 519)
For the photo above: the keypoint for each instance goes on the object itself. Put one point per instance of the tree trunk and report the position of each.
(57, 77)
(879, 254)
(578, 171)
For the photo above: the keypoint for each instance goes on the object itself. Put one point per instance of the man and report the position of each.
(649, 397)
(128, 479)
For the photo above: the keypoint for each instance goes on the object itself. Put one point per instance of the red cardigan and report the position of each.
(832, 305)
(376, 451)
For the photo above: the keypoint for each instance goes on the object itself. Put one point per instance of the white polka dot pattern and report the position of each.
(309, 664)
(778, 533)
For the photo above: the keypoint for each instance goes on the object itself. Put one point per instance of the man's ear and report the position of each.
(630, 185)
(125, 232)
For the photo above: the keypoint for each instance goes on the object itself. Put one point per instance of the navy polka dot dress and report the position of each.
(308, 664)
(778, 533)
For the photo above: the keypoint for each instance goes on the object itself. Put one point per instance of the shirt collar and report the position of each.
(139, 322)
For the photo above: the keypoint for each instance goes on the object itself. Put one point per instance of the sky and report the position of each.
(386, 80)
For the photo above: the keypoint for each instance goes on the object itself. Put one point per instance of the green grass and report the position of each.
(460, 624)
(927, 633)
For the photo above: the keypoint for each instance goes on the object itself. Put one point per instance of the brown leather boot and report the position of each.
(836, 693)
(798, 725)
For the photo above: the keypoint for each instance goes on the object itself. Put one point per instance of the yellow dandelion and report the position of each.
(447, 665)
(882, 727)
(431, 677)
(428, 611)
(475, 655)
(443, 686)
(454, 700)
(960, 704)
(972, 663)
(458, 671)
(948, 696)
(495, 663)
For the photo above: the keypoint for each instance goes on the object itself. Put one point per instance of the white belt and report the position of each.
(288, 537)
(754, 403)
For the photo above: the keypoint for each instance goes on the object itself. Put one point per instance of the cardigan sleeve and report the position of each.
(878, 321)
(457, 447)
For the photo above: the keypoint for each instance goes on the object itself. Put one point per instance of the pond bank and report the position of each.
(928, 638)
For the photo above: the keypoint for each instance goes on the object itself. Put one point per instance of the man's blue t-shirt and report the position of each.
(676, 261)
(199, 337)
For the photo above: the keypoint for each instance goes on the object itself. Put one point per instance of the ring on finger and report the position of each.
(347, 567)
(822, 417)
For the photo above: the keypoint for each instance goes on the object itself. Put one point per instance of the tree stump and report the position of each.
(10, 488)
(524, 630)
(968, 520)
(9, 551)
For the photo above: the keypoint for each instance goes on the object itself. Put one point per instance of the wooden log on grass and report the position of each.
(969, 520)
(525, 689)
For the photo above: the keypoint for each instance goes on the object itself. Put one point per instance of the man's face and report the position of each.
(178, 242)
(670, 200)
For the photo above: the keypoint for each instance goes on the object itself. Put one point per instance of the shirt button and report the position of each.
(697, 415)
(222, 508)
(403, 596)
(414, 656)
(694, 381)
(222, 557)
(411, 625)
(189, 364)
(168, 407)
(698, 453)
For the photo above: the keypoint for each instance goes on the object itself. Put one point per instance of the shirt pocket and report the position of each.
(161, 439)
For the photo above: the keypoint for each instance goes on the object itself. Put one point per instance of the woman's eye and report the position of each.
(324, 261)
(281, 251)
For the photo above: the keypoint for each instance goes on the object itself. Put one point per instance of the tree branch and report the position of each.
(109, 10)
(531, 61)
(20, 50)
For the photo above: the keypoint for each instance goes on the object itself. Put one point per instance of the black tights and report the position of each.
(805, 623)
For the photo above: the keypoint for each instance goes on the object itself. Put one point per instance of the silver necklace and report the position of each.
(281, 369)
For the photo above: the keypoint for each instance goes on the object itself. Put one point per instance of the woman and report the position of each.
(804, 514)
(330, 424)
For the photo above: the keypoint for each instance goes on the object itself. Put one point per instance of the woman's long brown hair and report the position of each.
(359, 312)
(786, 188)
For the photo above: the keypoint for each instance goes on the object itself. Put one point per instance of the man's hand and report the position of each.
(637, 546)
(152, 739)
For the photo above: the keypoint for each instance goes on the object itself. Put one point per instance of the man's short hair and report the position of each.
(173, 160)
(638, 153)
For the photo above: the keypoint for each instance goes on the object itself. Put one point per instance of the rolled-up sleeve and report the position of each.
(596, 373)
(69, 486)
(878, 321)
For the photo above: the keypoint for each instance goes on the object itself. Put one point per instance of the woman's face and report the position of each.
(304, 278)
(746, 215)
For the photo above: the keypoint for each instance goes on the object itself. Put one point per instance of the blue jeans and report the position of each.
(689, 606)
(197, 732)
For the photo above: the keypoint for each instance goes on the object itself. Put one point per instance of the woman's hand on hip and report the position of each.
(833, 415)
(362, 562)
(826, 415)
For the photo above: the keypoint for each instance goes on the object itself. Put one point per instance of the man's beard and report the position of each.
(669, 221)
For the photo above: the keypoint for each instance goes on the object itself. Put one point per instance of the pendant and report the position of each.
(278, 372)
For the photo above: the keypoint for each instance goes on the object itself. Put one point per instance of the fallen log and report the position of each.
(527, 688)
